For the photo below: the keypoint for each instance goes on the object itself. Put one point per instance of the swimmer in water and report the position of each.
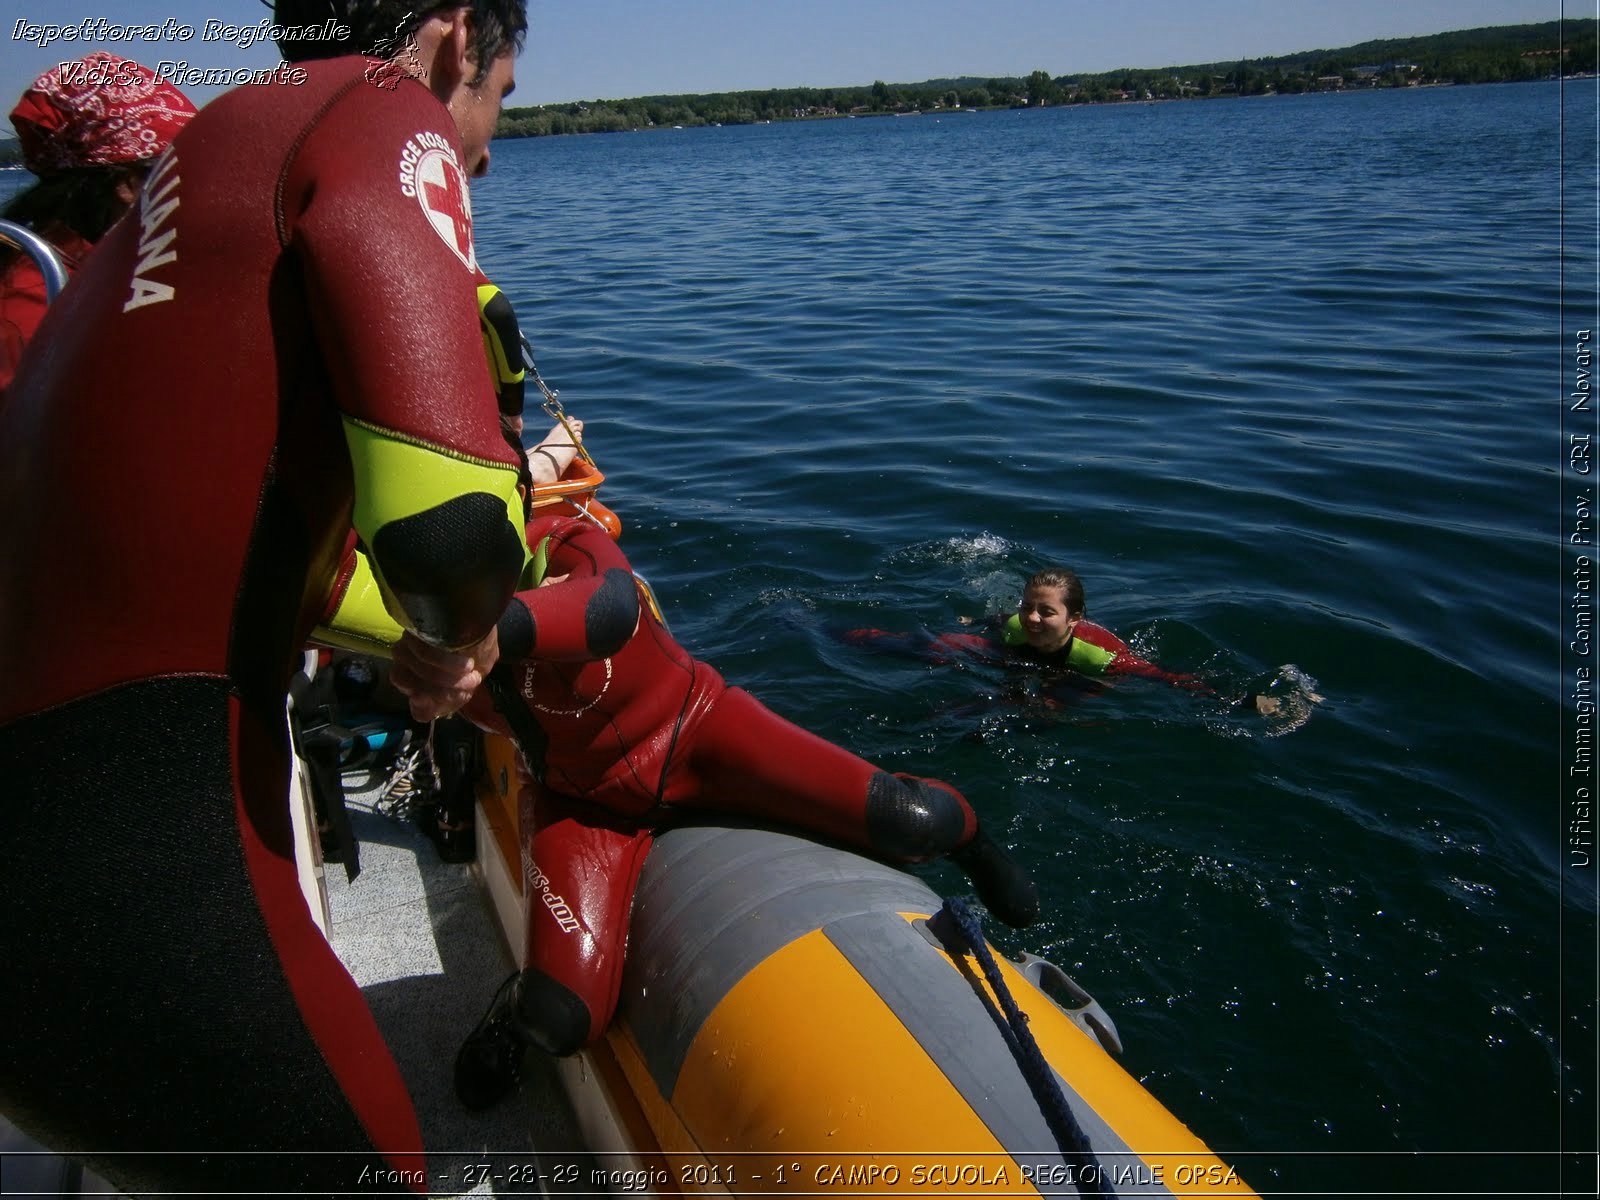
(1048, 628)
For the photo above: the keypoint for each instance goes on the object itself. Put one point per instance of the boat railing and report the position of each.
(44, 255)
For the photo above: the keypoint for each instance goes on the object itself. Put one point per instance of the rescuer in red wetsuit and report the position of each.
(624, 729)
(89, 129)
(282, 342)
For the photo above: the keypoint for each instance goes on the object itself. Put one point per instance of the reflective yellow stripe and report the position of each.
(396, 477)
(538, 563)
(361, 622)
(505, 362)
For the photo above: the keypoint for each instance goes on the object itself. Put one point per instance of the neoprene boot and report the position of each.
(1002, 885)
(489, 1063)
(530, 1010)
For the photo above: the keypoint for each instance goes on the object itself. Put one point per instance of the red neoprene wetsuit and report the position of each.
(1123, 661)
(941, 648)
(636, 728)
(280, 341)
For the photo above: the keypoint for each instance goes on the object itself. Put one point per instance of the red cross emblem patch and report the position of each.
(442, 192)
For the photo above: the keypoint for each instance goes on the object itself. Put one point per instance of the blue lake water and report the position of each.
(1281, 379)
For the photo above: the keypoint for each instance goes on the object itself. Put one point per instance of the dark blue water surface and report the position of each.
(1281, 379)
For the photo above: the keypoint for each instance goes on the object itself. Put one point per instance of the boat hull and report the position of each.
(797, 1019)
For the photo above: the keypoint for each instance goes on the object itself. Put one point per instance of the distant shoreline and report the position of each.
(994, 108)
(1499, 54)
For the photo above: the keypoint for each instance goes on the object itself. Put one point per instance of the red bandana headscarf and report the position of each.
(101, 109)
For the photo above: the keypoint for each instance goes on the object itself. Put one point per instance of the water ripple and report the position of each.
(1272, 375)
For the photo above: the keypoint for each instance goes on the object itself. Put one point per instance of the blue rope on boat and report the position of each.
(1090, 1178)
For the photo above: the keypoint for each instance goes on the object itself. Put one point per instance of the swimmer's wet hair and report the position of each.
(1067, 581)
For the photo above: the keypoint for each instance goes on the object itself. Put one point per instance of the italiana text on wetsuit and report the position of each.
(282, 342)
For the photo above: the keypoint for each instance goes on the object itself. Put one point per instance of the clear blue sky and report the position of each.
(594, 49)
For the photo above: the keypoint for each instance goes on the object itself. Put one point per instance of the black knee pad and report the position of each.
(551, 1015)
(909, 819)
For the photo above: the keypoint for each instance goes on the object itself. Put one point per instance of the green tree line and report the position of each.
(1495, 55)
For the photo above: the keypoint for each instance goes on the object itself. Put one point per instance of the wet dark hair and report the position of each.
(84, 199)
(382, 28)
(1067, 581)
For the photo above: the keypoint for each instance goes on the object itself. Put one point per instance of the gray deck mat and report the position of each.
(421, 940)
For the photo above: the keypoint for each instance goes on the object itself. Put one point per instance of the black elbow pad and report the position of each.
(518, 631)
(908, 818)
(453, 567)
(612, 613)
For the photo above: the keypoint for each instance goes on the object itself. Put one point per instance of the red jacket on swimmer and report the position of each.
(1048, 628)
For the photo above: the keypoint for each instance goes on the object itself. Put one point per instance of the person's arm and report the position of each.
(22, 307)
(376, 215)
(502, 347)
(589, 614)
(355, 617)
(1125, 662)
(436, 681)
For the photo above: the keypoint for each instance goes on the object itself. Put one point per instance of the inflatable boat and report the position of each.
(799, 1020)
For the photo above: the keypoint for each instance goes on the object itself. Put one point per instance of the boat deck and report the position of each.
(420, 937)
(421, 940)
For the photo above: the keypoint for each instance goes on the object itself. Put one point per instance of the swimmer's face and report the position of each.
(1044, 618)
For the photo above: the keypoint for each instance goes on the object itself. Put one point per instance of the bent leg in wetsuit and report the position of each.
(582, 864)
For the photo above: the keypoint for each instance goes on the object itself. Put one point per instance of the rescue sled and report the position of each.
(573, 495)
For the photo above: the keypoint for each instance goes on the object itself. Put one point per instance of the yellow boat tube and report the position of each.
(798, 1020)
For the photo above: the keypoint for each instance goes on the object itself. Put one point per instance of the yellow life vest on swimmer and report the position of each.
(1081, 655)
